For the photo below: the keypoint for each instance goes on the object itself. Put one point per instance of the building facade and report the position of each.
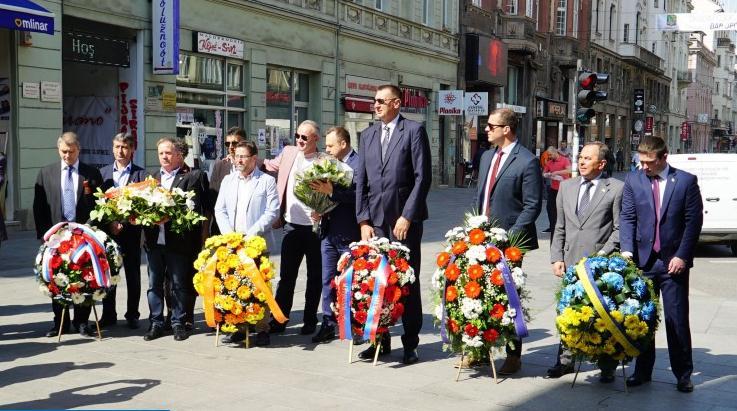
(701, 64)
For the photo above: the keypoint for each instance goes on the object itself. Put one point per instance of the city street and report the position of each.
(124, 372)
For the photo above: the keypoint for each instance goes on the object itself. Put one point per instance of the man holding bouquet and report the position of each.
(393, 179)
(118, 174)
(338, 227)
(299, 239)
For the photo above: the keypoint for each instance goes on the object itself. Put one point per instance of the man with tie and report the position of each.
(393, 179)
(64, 192)
(118, 174)
(299, 240)
(659, 227)
(588, 223)
(510, 194)
(171, 255)
(248, 203)
(338, 228)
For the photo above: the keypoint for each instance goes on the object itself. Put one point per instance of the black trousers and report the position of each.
(81, 315)
(130, 245)
(551, 209)
(299, 241)
(412, 317)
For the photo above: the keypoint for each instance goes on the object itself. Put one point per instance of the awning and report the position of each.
(358, 104)
(25, 15)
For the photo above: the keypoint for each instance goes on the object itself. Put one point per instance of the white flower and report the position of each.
(39, 257)
(472, 342)
(476, 254)
(124, 205)
(438, 312)
(189, 203)
(477, 220)
(98, 295)
(518, 276)
(45, 290)
(101, 236)
(66, 235)
(471, 308)
(566, 357)
(54, 241)
(77, 298)
(358, 295)
(511, 312)
(508, 317)
(436, 282)
(114, 280)
(61, 280)
(118, 259)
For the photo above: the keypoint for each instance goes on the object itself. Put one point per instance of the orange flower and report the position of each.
(443, 259)
(497, 311)
(393, 278)
(493, 255)
(451, 293)
(513, 254)
(472, 289)
(359, 264)
(477, 236)
(452, 272)
(475, 271)
(370, 283)
(401, 264)
(459, 247)
(496, 278)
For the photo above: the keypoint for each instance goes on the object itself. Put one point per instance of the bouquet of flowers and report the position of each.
(77, 264)
(480, 287)
(325, 168)
(606, 309)
(371, 289)
(146, 204)
(234, 278)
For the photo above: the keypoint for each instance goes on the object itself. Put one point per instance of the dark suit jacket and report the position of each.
(3, 163)
(47, 202)
(131, 234)
(681, 217)
(220, 169)
(398, 186)
(341, 221)
(516, 198)
(188, 242)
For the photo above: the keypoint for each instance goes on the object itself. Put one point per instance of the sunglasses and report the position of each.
(384, 100)
(493, 126)
(231, 143)
(242, 157)
(302, 137)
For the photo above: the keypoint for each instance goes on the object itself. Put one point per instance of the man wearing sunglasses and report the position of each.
(392, 182)
(299, 240)
(225, 166)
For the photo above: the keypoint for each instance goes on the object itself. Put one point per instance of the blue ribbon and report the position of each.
(376, 298)
(347, 299)
(511, 288)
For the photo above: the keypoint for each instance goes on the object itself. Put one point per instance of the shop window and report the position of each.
(287, 105)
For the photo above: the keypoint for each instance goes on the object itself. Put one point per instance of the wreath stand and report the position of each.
(217, 336)
(376, 352)
(65, 312)
(491, 359)
(580, 361)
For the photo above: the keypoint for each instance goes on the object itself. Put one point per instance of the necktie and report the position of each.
(385, 142)
(492, 180)
(68, 200)
(656, 200)
(585, 199)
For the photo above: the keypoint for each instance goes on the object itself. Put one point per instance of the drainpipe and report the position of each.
(337, 63)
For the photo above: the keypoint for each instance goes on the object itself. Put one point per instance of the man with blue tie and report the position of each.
(659, 226)
(338, 228)
(247, 203)
(393, 179)
(64, 192)
(118, 174)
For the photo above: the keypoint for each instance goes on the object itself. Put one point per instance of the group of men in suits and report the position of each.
(654, 218)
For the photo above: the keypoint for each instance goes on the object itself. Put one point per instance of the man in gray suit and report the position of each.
(588, 222)
(510, 193)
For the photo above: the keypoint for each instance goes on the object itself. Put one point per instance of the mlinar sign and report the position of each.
(222, 46)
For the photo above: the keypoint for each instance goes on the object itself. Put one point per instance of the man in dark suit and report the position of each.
(223, 167)
(510, 194)
(338, 228)
(171, 255)
(393, 179)
(659, 227)
(118, 174)
(64, 192)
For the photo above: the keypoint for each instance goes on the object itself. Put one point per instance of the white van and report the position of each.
(717, 175)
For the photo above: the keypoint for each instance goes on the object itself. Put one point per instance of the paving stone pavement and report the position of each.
(124, 372)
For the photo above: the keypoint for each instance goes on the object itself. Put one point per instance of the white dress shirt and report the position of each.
(75, 181)
(167, 179)
(245, 190)
(121, 177)
(392, 125)
(296, 211)
(582, 189)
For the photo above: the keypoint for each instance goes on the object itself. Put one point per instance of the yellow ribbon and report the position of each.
(601, 310)
(208, 291)
(248, 267)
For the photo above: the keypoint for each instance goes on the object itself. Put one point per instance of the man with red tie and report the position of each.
(510, 194)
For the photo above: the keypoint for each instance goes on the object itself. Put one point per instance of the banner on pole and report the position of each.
(165, 36)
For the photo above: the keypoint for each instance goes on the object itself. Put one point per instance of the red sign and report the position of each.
(358, 104)
(649, 125)
(128, 107)
(685, 131)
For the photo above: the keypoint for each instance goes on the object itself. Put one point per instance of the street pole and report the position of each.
(573, 99)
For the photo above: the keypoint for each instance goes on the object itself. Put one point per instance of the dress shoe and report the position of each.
(511, 365)
(410, 357)
(234, 338)
(606, 377)
(107, 322)
(133, 323)
(153, 333)
(368, 353)
(86, 331)
(358, 340)
(180, 332)
(54, 331)
(326, 333)
(262, 339)
(188, 326)
(685, 385)
(635, 381)
(559, 370)
(276, 327)
(308, 329)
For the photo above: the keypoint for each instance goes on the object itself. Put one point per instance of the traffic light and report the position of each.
(588, 95)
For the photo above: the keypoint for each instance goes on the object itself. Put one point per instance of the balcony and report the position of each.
(564, 50)
(641, 57)
(518, 32)
(684, 78)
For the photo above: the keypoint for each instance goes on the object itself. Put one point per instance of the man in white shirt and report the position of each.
(247, 203)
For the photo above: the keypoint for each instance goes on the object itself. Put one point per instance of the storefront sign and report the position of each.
(639, 101)
(93, 49)
(31, 90)
(128, 112)
(169, 101)
(414, 101)
(685, 131)
(704, 22)
(702, 118)
(450, 102)
(648, 125)
(51, 92)
(93, 119)
(358, 104)
(214, 44)
(165, 36)
(362, 86)
(551, 109)
(26, 16)
(516, 109)
(476, 103)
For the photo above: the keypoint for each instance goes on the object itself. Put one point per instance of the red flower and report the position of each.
(382, 330)
(452, 272)
(453, 326)
(442, 259)
(475, 271)
(393, 278)
(490, 335)
(493, 255)
(513, 254)
(364, 288)
(405, 291)
(472, 289)
(471, 330)
(451, 293)
(55, 261)
(397, 311)
(497, 311)
(72, 289)
(496, 278)
(401, 264)
(75, 267)
(370, 283)
(359, 264)
(476, 236)
(53, 288)
(64, 247)
(393, 254)
(360, 316)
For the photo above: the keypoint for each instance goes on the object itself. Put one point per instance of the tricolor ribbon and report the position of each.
(381, 277)
(514, 301)
(344, 293)
(586, 276)
(443, 326)
(91, 246)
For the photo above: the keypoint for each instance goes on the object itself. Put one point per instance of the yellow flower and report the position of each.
(237, 309)
(631, 321)
(243, 292)
(600, 325)
(261, 297)
(594, 338)
(257, 243)
(228, 328)
(222, 253)
(231, 282)
(217, 284)
(233, 261)
(252, 252)
(197, 280)
(609, 349)
(617, 316)
(222, 267)
(586, 313)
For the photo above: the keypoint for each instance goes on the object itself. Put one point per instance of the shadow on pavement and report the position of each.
(12, 352)
(73, 398)
(15, 309)
(24, 373)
